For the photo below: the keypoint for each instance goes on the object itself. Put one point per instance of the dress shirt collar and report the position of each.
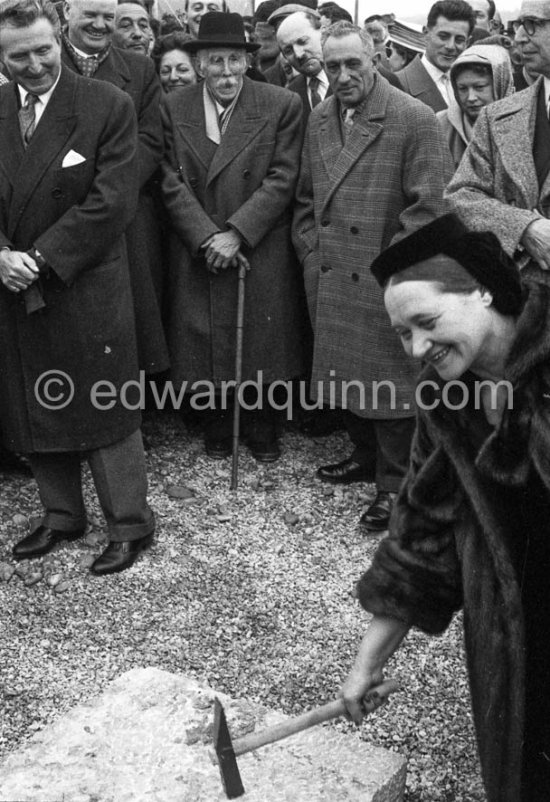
(81, 53)
(43, 99)
(441, 79)
(323, 82)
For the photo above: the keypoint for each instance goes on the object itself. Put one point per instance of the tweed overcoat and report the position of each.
(495, 187)
(417, 82)
(75, 215)
(447, 546)
(353, 201)
(247, 182)
(135, 74)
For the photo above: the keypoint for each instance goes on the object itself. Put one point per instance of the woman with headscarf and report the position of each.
(479, 76)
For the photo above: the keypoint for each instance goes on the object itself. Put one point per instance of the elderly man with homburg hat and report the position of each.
(232, 156)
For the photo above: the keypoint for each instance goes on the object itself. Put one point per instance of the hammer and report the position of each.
(227, 751)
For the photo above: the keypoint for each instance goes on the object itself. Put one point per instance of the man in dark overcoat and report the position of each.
(87, 49)
(68, 187)
(232, 155)
(374, 166)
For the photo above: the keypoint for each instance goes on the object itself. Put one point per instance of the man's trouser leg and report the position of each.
(60, 487)
(363, 436)
(393, 448)
(120, 479)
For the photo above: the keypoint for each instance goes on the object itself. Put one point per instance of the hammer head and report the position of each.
(226, 756)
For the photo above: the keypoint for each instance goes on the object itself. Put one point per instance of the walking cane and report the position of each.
(243, 266)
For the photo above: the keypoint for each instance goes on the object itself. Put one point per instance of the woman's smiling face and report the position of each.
(450, 330)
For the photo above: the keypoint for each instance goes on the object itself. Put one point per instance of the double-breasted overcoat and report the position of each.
(70, 194)
(247, 183)
(135, 75)
(354, 200)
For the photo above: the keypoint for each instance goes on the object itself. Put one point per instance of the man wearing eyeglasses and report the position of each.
(503, 183)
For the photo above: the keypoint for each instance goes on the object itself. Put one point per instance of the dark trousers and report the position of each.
(383, 445)
(120, 480)
(259, 420)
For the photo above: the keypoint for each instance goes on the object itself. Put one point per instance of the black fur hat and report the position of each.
(479, 252)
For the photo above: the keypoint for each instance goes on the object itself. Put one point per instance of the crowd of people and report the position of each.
(377, 190)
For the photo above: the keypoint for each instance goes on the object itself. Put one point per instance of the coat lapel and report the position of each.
(246, 122)
(11, 144)
(340, 158)
(114, 70)
(513, 132)
(52, 132)
(190, 125)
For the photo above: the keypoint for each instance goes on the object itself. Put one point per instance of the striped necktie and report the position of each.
(27, 118)
(314, 84)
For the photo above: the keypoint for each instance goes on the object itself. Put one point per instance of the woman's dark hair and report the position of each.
(452, 278)
(167, 43)
(483, 70)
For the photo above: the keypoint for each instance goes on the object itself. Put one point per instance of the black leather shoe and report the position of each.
(264, 451)
(377, 517)
(218, 449)
(346, 472)
(120, 555)
(41, 541)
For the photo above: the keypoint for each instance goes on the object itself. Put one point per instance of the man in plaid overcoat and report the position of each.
(374, 167)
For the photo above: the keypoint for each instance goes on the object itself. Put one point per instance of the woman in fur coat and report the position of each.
(471, 526)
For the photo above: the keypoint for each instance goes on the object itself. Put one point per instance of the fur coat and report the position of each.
(447, 543)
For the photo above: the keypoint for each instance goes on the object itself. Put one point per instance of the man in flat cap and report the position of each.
(229, 178)
(374, 167)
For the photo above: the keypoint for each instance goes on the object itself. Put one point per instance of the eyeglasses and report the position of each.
(530, 24)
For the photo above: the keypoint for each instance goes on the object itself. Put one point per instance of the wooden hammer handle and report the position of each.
(373, 698)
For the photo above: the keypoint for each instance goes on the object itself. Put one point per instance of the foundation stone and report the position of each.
(148, 738)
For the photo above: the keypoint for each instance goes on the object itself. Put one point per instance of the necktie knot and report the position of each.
(31, 100)
(347, 119)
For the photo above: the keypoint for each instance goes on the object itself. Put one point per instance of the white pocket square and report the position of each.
(72, 158)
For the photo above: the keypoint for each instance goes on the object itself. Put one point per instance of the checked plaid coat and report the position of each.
(353, 201)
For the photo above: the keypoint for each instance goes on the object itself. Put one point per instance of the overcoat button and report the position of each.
(355, 277)
(354, 230)
(325, 221)
(325, 268)
(57, 192)
(246, 173)
(193, 182)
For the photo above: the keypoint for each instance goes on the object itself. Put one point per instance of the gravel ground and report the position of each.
(251, 591)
